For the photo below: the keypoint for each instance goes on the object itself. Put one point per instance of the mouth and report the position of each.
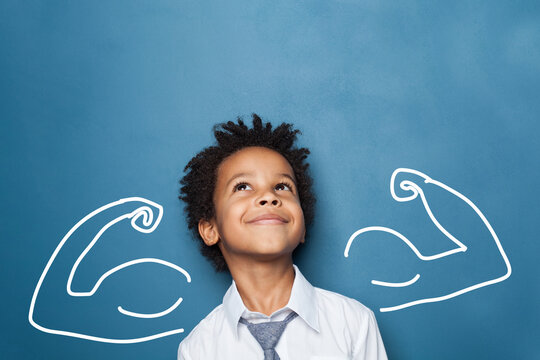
(268, 219)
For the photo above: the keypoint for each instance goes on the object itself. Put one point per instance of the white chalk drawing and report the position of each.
(151, 224)
(151, 316)
(407, 185)
(401, 284)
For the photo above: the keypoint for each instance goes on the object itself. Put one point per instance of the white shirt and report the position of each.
(328, 326)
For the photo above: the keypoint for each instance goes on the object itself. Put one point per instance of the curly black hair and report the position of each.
(199, 182)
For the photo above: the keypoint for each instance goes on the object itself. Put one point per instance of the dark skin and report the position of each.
(258, 223)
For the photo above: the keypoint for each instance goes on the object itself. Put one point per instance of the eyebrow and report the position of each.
(236, 177)
(251, 174)
(290, 177)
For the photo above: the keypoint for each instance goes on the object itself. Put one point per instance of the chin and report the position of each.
(278, 248)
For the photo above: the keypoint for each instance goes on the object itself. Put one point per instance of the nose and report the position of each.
(269, 198)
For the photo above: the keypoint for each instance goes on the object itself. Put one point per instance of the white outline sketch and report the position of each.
(147, 219)
(407, 185)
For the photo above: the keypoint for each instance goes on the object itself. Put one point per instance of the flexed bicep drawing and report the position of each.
(459, 251)
(144, 217)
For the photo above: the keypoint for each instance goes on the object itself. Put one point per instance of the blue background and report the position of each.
(107, 100)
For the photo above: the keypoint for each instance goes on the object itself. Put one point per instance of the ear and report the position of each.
(303, 237)
(208, 231)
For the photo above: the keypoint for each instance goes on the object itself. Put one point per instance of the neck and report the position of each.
(264, 286)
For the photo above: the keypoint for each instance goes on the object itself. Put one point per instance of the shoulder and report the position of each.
(347, 309)
(202, 334)
(354, 321)
(332, 299)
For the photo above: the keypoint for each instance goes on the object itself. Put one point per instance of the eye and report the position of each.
(242, 187)
(283, 186)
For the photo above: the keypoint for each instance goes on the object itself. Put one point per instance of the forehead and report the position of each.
(254, 159)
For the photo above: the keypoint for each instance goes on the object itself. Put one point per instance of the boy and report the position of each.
(248, 199)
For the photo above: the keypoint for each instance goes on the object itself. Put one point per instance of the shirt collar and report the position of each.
(303, 301)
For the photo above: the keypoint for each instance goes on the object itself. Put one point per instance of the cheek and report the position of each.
(300, 226)
(230, 215)
(296, 209)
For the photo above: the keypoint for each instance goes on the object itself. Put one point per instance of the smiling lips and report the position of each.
(268, 219)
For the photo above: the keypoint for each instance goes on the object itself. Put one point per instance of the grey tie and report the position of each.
(268, 334)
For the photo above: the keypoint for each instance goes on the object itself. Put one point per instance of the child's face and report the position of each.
(257, 208)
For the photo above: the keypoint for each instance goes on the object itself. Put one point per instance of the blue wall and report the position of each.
(109, 100)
